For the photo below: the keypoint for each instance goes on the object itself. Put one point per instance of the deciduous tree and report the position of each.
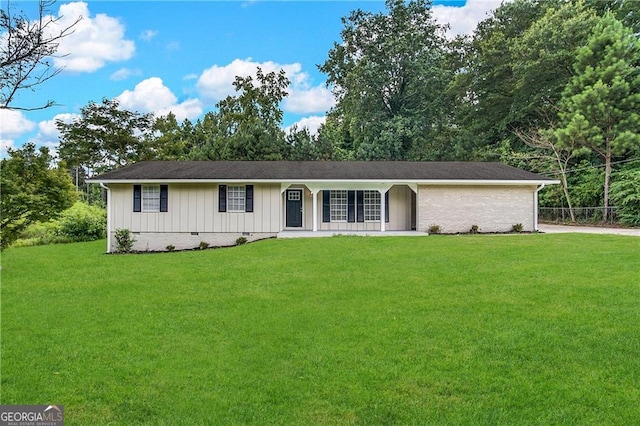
(106, 137)
(543, 58)
(485, 84)
(388, 75)
(556, 153)
(32, 190)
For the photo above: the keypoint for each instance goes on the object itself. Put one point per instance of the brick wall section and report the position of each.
(492, 208)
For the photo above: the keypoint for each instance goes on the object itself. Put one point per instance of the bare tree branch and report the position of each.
(544, 141)
(26, 49)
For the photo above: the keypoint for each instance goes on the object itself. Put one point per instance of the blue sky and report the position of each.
(179, 56)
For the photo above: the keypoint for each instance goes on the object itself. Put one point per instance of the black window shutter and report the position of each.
(326, 206)
(248, 198)
(351, 206)
(386, 206)
(164, 198)
(137, 198)
(222, 198)
(360, 206)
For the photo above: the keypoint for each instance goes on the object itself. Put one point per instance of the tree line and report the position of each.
(552, 86)
(548, 85)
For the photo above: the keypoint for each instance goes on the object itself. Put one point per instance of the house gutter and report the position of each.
(102, 185)
(535, 206)
(324, 182)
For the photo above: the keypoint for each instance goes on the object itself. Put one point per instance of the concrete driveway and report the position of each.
(560, 229)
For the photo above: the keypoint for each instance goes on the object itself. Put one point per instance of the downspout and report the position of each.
(102, 185)
(535, 207)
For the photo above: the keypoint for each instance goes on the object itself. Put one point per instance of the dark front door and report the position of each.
(294, 208)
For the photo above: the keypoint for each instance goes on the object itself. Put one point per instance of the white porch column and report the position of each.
(314, 195)
(383, 210)
(535, 207)
(108, 216)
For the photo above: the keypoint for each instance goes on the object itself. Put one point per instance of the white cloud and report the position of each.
(53, 147)
(5, 145)
(94, 41)
(148, 35)
(216, 83)
(48, 134)
(124, 73)
(463, 20)
(52, 144)
(151, 95)
(148, 95)
(304, 101)
(189, 109)
(48, 130)
(14, 124)
(312, 123)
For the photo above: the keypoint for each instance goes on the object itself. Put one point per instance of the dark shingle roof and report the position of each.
(317, 170)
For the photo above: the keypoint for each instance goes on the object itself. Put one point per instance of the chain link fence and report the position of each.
(582, 214)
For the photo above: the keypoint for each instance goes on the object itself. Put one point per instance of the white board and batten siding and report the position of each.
(193, 209)
(492, 208)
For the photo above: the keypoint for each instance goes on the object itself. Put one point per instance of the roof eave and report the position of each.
(450, 182)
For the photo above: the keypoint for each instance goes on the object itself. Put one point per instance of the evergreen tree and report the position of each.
(600, 107)
(247, 126)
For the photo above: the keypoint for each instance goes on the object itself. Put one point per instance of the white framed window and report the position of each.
(293, 195)
(339, 204)
(236, 198)
(371, 205)
(150, 198)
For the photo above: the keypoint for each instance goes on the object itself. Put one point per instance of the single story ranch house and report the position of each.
(184, 203)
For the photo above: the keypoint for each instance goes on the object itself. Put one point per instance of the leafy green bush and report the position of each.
(517, 227)
(435, 229)
(41, 233)
(83, 222)
(124, 241)
(625, 195)
(240, 241)
(586, 186)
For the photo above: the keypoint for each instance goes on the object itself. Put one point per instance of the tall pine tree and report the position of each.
(600, 107)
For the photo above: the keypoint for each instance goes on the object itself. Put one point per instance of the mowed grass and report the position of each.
(531, 329)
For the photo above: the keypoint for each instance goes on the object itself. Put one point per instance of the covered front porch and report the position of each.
(348, 207)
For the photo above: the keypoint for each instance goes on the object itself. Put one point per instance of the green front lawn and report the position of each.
(529, 329)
